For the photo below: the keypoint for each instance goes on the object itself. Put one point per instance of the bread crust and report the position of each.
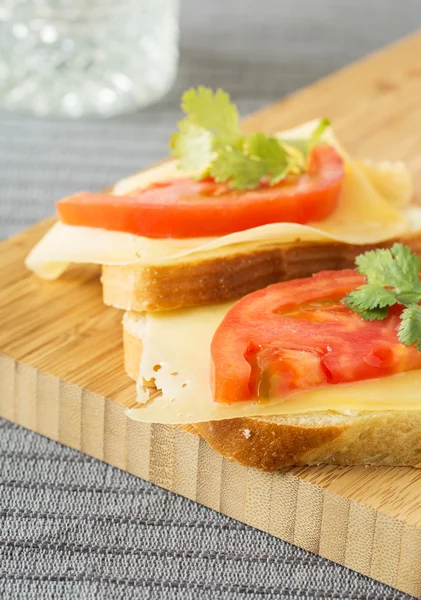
(201, 281)
(267, 445)
(272, 443)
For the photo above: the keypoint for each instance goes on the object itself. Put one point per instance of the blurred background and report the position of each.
(258, 51)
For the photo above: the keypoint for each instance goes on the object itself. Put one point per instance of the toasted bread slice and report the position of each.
(271, 443)
(199, 281)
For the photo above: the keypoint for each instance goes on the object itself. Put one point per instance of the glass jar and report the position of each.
(86, 57)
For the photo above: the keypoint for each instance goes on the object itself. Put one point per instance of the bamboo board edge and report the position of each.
(281, 504)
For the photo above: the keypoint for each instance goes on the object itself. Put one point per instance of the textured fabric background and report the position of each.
(72, 527)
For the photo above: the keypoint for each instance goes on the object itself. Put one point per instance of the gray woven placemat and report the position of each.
(72, 527)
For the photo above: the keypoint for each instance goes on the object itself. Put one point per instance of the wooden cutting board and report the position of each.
(61, 365)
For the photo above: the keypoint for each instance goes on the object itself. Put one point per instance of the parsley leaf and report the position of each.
(192, 145)
(393, 277)
(371, 314)
(209, 141)
(269, 152)
(369, 297)
(232, 165)
(212, 111)
(246, 161)
(394, 267)
(410, 326)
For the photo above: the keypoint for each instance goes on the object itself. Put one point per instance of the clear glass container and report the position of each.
(86, 57)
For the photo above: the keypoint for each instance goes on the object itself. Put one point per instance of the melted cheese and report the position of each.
(368, 213)
(176, 353)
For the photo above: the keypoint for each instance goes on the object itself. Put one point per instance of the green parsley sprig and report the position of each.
(209, 141)
(393, 277)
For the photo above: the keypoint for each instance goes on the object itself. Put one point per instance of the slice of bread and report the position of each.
(271, 443)
(199, 281)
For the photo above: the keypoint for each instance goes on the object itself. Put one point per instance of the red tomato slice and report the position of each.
(185, 208)
(297, 335)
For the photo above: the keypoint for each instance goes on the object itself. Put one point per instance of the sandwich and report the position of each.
(245, 321)
(230, 214)
(323, 369)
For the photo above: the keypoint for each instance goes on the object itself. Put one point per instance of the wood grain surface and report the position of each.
(61, 365)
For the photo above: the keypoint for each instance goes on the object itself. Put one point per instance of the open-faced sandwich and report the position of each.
(324, 365)
(232, 213)
(324, 369)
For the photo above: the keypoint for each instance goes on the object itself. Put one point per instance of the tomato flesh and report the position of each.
(184, 208)
(297, 335)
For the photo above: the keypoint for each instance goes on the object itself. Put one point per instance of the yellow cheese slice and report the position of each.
(176, 353)
(367, 213)
(391, 179)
